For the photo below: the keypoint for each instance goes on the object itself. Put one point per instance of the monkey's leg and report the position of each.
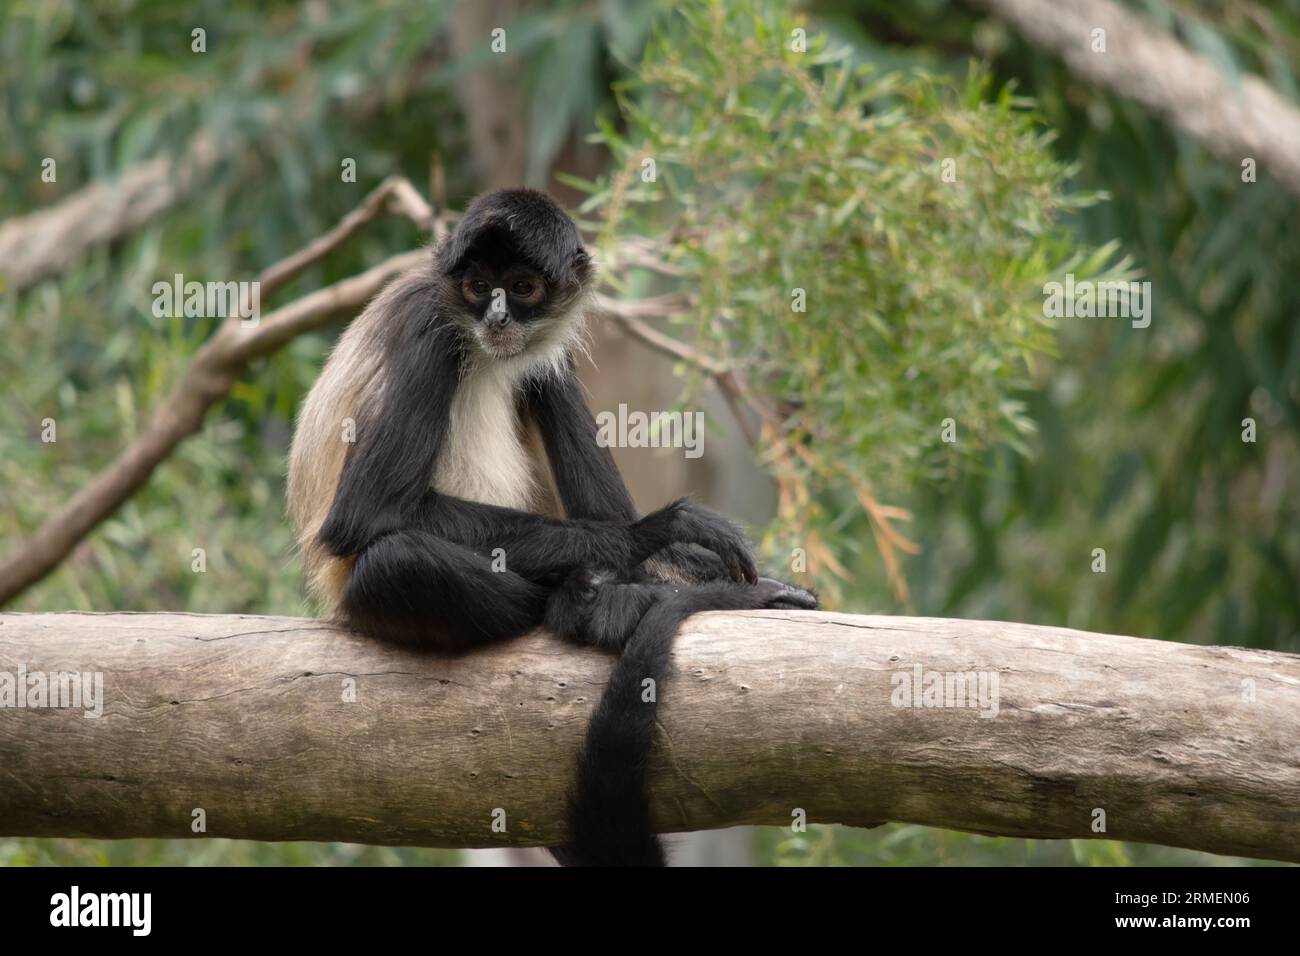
(416, 589)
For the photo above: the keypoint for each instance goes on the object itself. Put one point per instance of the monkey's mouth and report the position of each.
(502, 343)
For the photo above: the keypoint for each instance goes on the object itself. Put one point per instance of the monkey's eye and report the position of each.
(479, 286)
(522, 288)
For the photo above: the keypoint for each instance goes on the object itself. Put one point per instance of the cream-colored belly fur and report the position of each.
(486, 457)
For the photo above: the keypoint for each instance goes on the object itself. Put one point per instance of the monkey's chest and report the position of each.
(487, 457)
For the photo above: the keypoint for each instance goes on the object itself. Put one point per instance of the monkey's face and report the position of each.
(516, 277)
(505, 305)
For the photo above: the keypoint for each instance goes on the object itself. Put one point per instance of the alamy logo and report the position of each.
(61, 689)
(1087, 299)
(653, 430)
(208, 300)
(103, 909)
(923, 688)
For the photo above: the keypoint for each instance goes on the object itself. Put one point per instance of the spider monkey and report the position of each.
(459, 381)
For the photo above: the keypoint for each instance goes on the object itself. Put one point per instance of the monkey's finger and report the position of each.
(782, 596)
(740, 564)
(731, 563)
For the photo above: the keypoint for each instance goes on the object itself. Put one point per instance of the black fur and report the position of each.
(585, 474)
(533, 222)
(608, 811)
(387, 470)
(423, 574)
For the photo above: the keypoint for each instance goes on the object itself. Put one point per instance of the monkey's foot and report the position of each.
(781, 596)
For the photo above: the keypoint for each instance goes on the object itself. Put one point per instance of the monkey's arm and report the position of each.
(602, 528)
(590, 485)
(537, 547)
(542, 548)
(386, 472)
(589, 482)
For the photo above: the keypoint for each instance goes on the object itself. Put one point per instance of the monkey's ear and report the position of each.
(583, 266)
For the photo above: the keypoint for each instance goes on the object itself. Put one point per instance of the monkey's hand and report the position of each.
(684, 522)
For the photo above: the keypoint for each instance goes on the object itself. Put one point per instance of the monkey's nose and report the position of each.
(496, 320)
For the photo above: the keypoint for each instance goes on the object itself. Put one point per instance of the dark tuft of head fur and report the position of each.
(541, 231)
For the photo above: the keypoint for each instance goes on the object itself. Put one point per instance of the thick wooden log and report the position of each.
(286, 729)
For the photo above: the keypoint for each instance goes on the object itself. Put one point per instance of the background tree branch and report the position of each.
(212, 373)
(48, 241)
(1233, 118)
(767, 713)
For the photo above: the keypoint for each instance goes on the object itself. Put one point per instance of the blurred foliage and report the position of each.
(780, 174)
(902, 844)
(215, 852)
(1140, 449)
(775, 171)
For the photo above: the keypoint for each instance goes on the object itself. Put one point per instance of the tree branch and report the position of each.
(46, 242)
(212, 373)
(285, 729)
(1232, 117)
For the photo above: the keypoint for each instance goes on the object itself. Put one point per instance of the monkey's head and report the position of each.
(517, 270)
